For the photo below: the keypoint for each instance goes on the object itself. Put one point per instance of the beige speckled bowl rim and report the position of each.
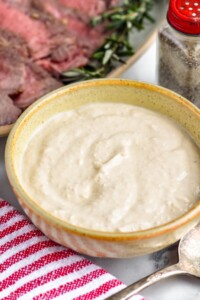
(193, 213)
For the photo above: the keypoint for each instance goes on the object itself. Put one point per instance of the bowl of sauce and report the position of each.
(109, 167)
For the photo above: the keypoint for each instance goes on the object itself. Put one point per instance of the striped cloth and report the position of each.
(34, 267)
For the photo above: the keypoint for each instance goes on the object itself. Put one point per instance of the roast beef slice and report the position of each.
(36, 84)
(59, 67)
(51, 6)
(12, 71)
(11, 41)
(8, 111)
(86, 38)
(41, 32)
(46, 37)
(89, 7)
(31, 30)
(23, 5)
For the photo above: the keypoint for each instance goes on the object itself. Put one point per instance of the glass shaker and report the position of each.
(179, 49)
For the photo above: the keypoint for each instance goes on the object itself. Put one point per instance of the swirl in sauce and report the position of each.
(112, 167)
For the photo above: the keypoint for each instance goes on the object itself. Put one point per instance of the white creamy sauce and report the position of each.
(112, 167)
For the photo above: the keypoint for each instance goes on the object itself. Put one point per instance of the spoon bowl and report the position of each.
(189, 264)
(189, 252)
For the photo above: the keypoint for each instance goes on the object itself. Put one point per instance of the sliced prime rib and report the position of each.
(41, 32)
(63, 58)
(20, 78)
(23, 5)
(12, 71)
(88, 38)
(89, 7)
(59, 67)
(14, 42)
(55, 34)
(34, 32)
(45, 36)
(37, 83)
(39, 38)
(8, 111)
(65, 54)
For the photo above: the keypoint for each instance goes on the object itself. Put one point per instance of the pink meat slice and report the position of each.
(41, 32)
(68, 52)
(45, 36)
(23, 5)
(51, 6)
(87, 38)
(8, 111)
(59, 67)
(89, 7)
(13, 42)
(37, 83)
(67, 55)
(31, 30)
(12, 71)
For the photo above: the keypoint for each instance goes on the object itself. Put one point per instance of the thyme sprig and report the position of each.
(119, 21)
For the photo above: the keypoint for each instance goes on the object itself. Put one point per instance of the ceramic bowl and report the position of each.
(90, 242)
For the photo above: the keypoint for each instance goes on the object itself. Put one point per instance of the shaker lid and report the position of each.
(184, 15)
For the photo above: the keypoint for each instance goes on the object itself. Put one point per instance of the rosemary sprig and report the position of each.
(119, 21)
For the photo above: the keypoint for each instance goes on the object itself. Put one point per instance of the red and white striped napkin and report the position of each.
(34, 267)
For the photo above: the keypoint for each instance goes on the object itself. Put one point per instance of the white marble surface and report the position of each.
(130, 270)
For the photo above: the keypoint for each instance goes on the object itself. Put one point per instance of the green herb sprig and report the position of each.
(119, 21)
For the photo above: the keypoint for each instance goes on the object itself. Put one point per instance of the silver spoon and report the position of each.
(189, 263)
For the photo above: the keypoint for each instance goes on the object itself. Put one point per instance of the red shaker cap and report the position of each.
(184, 15)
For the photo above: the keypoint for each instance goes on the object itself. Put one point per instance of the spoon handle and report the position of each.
(147, 281)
